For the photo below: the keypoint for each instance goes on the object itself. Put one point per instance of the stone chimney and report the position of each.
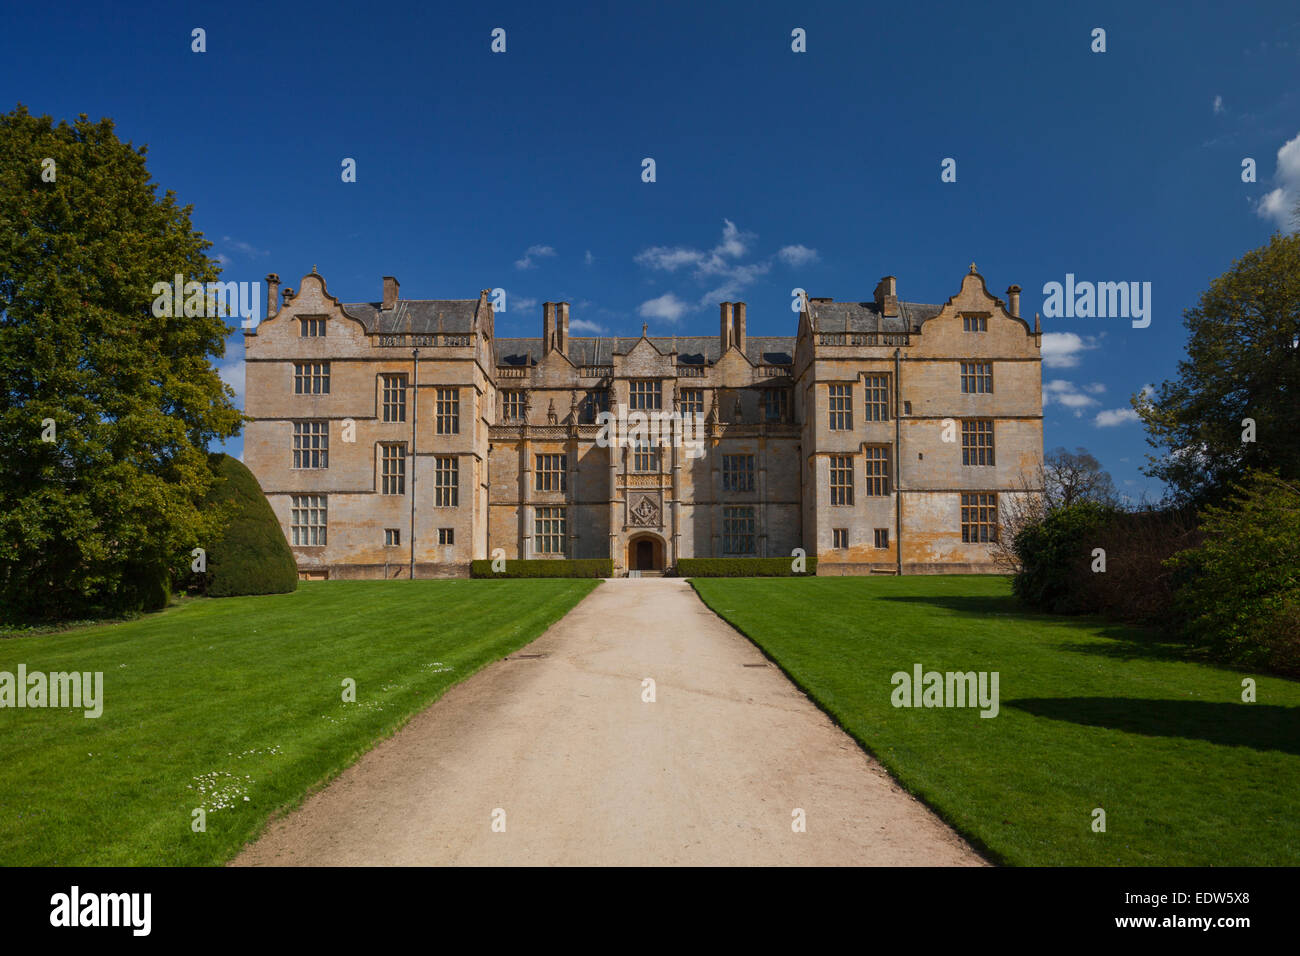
(390, 293)
(287, 294)
(887, 296)
(548, 327)
(738, 325)
(272, 294)
(1013, 294)
(725, 326)
(562, 328)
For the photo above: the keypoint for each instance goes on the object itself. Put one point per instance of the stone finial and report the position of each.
(644, 327)
(972, 268)
(313, 269)
(551, 418)
(1038, 326)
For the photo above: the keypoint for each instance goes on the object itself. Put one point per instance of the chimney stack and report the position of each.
(738, 325)
(390, 293)
(724, 326)
(887, 296)
(562, 328)
(1013, 293)
(272, 294)
(548, 327)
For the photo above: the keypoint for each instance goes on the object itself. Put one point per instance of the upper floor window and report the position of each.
(311, 444)
(977, 441)
(737, 472)
(877, 400)
(311, 378)
(512, 406)
(393, 469)
(448, 411)
(595, 402)
(645, 457)
(841, 407)
(841, 479)
(551, 472)
(776, 404)
(311, 328)
(975, 323)
(690, 401)
(977, 377)
(645, 394)
(876, 467)
(394, 398)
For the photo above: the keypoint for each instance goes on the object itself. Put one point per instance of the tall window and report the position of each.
(549, 530)
(512, 406)
(737, 472)
(690, 401)
(307, 520)
(841, 479)
(645, 394)
(311, 444)
(550, 472)
(645, 457)
(841, 407)
(979, 517)
(595, 402)
(975, 323)
(392, 537)
(311, 378)
(311, 328)
(446, 482)
(448, 411)
(776, 404)
(738, 531)
(876, 466)
(977, 441)
(877, 407)
(977, 377)
(393, 468)
(394, 398)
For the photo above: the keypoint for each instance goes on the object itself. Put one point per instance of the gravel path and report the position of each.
(586, 772)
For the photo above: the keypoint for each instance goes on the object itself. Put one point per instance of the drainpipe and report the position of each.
(415, 415)
(898, 464)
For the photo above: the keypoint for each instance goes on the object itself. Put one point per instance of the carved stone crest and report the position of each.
(645, 512)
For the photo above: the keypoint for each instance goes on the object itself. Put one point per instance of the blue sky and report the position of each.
(775, 169)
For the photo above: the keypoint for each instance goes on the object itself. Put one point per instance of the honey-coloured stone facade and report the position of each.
(402, 437)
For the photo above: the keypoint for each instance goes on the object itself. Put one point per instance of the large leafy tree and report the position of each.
(95, 519)
(1243, 362)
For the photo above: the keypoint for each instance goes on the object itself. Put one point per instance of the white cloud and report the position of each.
(1096, 388)
(1218, 105)
(245, 248)
(231, 371)
(588, 258)
(1062, 349)
(797, 255)
(667, 307)
(586, 325)
(520, 304)
(1279, 204)
(1114, 416)
(1060, 392)
(539, 252)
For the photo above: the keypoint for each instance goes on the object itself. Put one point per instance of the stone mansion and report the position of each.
(402, 437)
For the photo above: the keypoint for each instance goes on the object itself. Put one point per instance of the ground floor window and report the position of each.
(979, 517)
(307, 520)
(841, 538)
(549, 530)
(446, 482)
(882, 537)
(392, 537)
(738, 531)
(446, 535)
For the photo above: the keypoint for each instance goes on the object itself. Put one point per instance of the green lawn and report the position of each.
(235, 705)
(1091, 716)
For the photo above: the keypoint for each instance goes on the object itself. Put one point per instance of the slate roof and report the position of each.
(691, 349)
(866, 317)
(418, 316)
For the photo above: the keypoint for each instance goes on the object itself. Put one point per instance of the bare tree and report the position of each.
(1069, 477)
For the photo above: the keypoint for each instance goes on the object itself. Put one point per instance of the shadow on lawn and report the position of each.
(1122, 642)
(1260, 726)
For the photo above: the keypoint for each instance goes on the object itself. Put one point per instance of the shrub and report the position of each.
(252, 556)
(742, 568)
(1239, 590)
(1054, 554)
(544, 568)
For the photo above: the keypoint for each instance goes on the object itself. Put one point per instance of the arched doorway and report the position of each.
(645, 553)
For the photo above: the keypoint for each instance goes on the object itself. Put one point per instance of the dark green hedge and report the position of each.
(742, 568)
(252, 557)
(543, 568)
